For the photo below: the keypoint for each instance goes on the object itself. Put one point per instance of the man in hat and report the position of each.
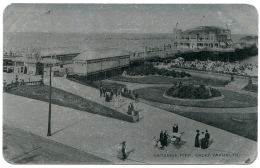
(175, 128)
(207, 136)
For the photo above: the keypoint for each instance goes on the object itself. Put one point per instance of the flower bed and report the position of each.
(147, 68)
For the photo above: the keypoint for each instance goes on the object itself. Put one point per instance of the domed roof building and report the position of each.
(202, 37)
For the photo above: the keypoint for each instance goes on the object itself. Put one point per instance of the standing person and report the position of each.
(124, 150)
(5, 85)
(203, 141)
(200, 138)
(115, 88)
(104, 92)
(197, 143)
(136, 97)
(161, 138)
(107, 96)
(129, 111)
(175, 128)
(119, 98)
(101, 91)
(133, 108)
(207, 136)
(165, 138)
(116, 101)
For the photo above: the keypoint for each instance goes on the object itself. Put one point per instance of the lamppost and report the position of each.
(49, 116)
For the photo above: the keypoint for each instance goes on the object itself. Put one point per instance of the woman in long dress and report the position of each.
(197, 140)
(121, 151)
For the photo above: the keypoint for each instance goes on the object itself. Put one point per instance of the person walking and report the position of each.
(207, 137)
(197, 143)
(124, 150)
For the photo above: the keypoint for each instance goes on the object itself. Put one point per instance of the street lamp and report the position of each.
(50, 64)
(49, 116)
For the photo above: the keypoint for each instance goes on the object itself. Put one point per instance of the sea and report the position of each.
(24, 41)
(130, 42)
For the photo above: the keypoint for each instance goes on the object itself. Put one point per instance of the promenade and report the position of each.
(100, 136)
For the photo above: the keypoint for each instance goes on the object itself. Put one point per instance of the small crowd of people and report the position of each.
(132, 109)
(111, 95)
(202, 140)
(165, 138)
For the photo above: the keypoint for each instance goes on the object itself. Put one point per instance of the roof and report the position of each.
(18, 59)
(49, 61)
(31, 60)
(59, 51)
(101, 53)
(205, 29)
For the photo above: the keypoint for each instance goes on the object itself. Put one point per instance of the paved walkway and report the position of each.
(90, 94)
(21, 147)
(101, 135)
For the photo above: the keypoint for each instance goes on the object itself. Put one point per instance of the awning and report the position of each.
(222, 44)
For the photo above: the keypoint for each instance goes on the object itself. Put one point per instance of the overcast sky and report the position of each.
(88, 18)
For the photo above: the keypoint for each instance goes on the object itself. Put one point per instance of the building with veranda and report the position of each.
(209, 37)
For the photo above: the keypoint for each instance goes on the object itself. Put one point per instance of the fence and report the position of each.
(12, 85)
(31, 83)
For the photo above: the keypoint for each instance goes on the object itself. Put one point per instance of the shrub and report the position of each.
(192, 92)
(182, 74)
(167, 74)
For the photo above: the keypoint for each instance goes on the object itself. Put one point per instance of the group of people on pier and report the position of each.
(202, 140)
(111, 95)
(165, 138)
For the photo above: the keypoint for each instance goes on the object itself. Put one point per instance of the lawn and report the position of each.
(195, 80)
(231, 99)
(224, 121)
(66, 99)
(243, 124)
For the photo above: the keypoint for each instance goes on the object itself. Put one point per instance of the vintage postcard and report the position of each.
(130, 83)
